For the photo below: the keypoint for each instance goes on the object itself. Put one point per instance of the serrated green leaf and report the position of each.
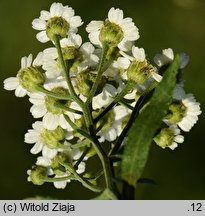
(145, 126)
(107, 194)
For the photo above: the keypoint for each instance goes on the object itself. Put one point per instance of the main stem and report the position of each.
(100, 152)
(87, 109)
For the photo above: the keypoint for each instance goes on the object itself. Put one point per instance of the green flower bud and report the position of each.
(38, 173)
(51, 138)
(111, 34)
(176, 112)
(85, 81)
(165, 138)
(50, 101)
(139, 72)
(57, 26)
(30, 78)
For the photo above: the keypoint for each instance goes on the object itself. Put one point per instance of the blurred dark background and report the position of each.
(179, 24)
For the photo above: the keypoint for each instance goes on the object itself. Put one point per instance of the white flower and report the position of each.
(105, 97)
(169, 137)
(57, 10)
(73, 40)
(52, 118)
(138, 54)
(74, 155)
(167, 56)
(184, 110)
(37, 137)
(89, 58)
(13, 83)
(113, 126)
(115, 16)
(50, 64)
(192, 111)
(84, 52)
(63, 184)
(124, 62)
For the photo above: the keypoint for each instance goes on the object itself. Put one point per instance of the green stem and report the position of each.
(65, 178)
(63, 107)
(65, 72)
(125, 104)
(74, 146)
(99, 74)
(104, 160)
(82, 157)
(127, 88)
(127, 127)
(84, 182)
(77, 129)
(87, 109)
(53, 94)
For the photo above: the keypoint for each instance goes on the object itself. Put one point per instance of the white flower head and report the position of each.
(63, 184)
(46, 140)
(44, 106)
(89, 58)
(112, 127)
(60, 20)
(136, 67)
(70, 48)
(72, 155)
(167, 56)
(169, 137)
(15, 83)
(192, 111)
(125, 31)
(184, 110)
(164, 58)
(105, 97)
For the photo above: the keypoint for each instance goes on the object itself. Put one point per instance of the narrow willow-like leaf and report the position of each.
(107, 194)
(145, 126)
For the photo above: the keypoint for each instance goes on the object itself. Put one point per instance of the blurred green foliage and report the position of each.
(179, 24)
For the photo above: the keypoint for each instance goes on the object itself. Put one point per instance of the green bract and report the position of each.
(111, 34)
(57, 26)
(139, 72)
(177, 111)
(38, 173)
(51, 138)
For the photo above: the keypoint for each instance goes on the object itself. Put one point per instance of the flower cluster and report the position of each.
(83, 94)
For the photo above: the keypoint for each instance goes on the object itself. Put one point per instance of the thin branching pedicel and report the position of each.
(86, 97)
